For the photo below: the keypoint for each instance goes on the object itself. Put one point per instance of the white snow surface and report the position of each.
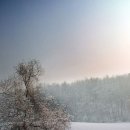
(100, 126)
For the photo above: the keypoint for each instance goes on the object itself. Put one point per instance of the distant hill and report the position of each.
(95, 99)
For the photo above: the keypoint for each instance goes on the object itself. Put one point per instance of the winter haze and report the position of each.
(64, 64)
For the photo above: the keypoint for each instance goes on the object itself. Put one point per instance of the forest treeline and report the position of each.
(95, 99)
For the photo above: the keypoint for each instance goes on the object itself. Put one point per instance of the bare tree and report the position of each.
(26, 109)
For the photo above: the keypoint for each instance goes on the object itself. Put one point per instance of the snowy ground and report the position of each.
(100, 126)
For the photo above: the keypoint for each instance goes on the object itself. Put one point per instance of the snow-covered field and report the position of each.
(100, 126)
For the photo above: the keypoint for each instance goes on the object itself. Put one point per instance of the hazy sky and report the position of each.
(73, 39)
